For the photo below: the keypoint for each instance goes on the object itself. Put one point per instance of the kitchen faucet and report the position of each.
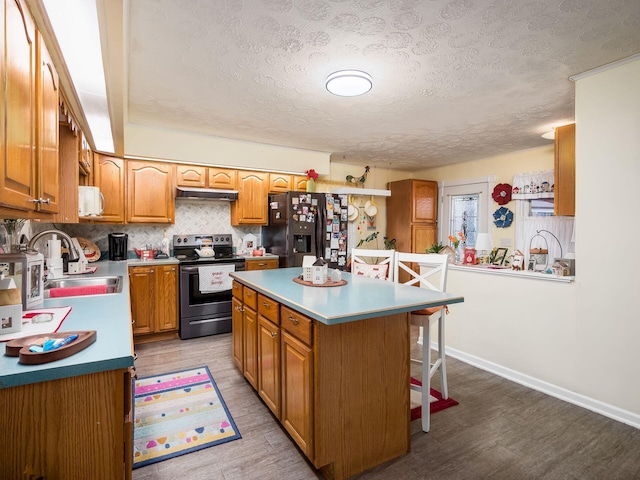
(73, 253)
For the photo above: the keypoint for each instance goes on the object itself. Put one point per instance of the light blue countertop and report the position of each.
(360, 298)
(108, 314)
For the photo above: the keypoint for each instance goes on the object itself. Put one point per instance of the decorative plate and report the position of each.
(90, 249)
(502, 193)
(503, 217)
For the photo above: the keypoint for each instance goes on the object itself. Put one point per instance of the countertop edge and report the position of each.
(342, 318)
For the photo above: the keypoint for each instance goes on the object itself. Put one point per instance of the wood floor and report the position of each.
(500, 430)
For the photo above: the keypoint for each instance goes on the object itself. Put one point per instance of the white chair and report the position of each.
(432, 274)
(373, 263)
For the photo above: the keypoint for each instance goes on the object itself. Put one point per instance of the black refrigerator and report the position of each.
(302, 223)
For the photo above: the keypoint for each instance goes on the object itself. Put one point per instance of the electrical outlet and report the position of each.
(505, 242)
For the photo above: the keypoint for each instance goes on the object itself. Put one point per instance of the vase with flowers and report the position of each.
(312, 176)
(12, 227)
(458, 245)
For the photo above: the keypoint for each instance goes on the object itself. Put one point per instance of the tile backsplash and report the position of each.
(192, 216)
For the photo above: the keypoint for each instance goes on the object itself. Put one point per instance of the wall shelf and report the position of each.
(362, 191)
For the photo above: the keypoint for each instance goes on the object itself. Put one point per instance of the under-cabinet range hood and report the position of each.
(187, 193)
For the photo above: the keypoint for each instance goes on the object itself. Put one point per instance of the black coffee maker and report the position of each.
(118, 246)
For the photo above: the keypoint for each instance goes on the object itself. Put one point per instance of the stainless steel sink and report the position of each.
(76, 287)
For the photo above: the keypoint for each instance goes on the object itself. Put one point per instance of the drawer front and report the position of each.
(296, 324)
(250, 298)
(269, 309)
(266, 264)
(236, 290)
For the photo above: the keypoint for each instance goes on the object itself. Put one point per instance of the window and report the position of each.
(464, 207)
(464, 216)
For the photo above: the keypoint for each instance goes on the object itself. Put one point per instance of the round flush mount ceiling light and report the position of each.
(550, 135)
(349, 83)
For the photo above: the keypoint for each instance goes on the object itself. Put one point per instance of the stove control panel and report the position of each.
(197, 239)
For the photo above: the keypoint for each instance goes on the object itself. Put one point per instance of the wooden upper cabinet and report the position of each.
(191, 176)
(47, 101)
(222, 178)
(565, 170)
(280, 182)
(425, 207)
(109, 176)
(299, 183)
(253, 196)
(150, 192)
(18, 167)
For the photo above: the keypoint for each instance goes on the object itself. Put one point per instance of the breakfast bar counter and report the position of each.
(331, 363)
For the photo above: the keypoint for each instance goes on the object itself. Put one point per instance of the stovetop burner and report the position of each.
(185, 246)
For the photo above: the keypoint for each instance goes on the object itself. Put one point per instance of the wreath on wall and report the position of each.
(502, 193)
(502, 217)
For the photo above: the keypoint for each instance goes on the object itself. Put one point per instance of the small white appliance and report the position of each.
(90, 201)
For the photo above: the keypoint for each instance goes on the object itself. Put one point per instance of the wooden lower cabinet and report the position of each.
(264, 264)
(250, 345)
(154, 302)
(269, 364)
(71, 428)
(325, 383)
(297, 392)
(237, 328)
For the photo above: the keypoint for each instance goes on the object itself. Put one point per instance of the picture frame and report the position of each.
(501, 254)
(518, 261)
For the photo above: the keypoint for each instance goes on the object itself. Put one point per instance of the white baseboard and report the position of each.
(597, 406)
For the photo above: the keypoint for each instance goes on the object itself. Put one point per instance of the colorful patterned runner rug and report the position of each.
(178, 413)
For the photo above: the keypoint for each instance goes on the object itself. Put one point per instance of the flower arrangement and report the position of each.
(456, 239)
(312, 174)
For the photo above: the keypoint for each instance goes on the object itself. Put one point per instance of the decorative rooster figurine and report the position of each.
(359, 180)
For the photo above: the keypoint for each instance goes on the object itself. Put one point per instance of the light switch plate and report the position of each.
(505, 242)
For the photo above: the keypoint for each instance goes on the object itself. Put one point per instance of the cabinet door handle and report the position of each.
(273, 334)
(266, 305)
(294, 320)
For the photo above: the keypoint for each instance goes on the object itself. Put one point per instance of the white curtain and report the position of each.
(533, 185)
(530, 234)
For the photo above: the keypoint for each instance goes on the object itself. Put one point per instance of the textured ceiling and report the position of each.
(453, 80)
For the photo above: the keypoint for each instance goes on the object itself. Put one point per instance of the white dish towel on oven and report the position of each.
(215, 278)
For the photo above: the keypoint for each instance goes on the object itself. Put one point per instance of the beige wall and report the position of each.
(156, 143)
(577, 341)
(503, 168)
(607, 364)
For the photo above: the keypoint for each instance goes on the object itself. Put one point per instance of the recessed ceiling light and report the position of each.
(349, 83)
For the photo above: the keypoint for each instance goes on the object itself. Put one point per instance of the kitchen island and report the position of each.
(331, 363)
(71, 418)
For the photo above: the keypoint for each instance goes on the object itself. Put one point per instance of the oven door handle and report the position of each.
(189, 269)
(186, 269)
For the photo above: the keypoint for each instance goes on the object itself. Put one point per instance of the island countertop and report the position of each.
(108, 314)
(359, 299)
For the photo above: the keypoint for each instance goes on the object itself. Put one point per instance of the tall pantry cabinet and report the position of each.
(412, 214)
